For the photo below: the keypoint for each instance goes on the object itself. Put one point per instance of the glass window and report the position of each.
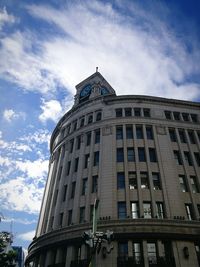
(168, 115)
(172, 134)
(61, 219)
(76, 164)
(75, 126)
(122, 210)
(55, 197)
(144, 180)
(146, 112)
(82, 215)
(78, 142)
(73, 189)
(88, 142)
(120, 180)
(139, 132)
(94, 184)
(128, 112)
(129, 132)
(87, 160)
(193, 181)
(149, 132)
(82, 122)
(156, 181)
(97, 137)
(120, 155)
(194, 117)
(98, 116)
(152, 254)
(64, 192)
(189, 212)
(197, 158)
(191, 137)
(147, 210)
(96, 158)
(137, 112)
(118, 112)
(152, 155)
(182, 182)
(52, 221)
(71, 145)
(182, 136)
(187, 158)
(119, 132)
(59, 173)
(137, 253)
(69, 221)
(91, 212)
(90, 119)
(185, 116)
(123, 249)
(177, 116)
(130, 154)
(159, 210)
(141, 154)
(177, 157)
(135, 210)
(84, 186)
(68, 167)
(132, 180)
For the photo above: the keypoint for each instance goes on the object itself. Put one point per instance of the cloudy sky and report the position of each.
(148, 47)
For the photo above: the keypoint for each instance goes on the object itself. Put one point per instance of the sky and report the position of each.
(142, 47)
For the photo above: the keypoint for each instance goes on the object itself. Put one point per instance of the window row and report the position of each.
(178, 116)
(192, 183)
(128, 112)
(184, 136)
(187, 158)
(140, 152)
(144, 180)
(130, 134)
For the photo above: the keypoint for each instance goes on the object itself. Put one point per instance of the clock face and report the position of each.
(104, 91)
(85, 91)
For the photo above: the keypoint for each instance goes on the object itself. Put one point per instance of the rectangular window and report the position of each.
(98, 116)
(84, 186)
(61, 219)
(182, 136)
(120, 155)
(130, 154)
(194, 117)
(71, 145)
(146, 112)
(172, 134)
(137, 253)
(152, 155)
(191, 137)
(123, 250)
(118, 112)
(144, 180)
(64, 192)
(88, 141)
(149, 132)
(187, 158)
(182, 182)
(177, 157)
(73, 189)
(193, 181)
(132, 180)
(197, 158)
(52, 221)
(137, 112)
(135, 210)
(120, 180)
(78, 142)
(82, 122)
(59, 173)
(82, 215)
(69, 221)
(94, 184)
(147, 210)
(128, 112)
(87, 160)
(97, 137)
(129, 132)
(119, 132)
(159, 210)
(185, 116)
(156, 181)
(122, 210)
(68, 167)
(177, 116)
(90, 118)
(141, 154)
(75, 126)
(139, 132)
(168, 115)
(76, 164)
(152, 254)
(189, 212)
(96, 158)
(55, 197)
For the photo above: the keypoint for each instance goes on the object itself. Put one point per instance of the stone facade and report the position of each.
(140, 156)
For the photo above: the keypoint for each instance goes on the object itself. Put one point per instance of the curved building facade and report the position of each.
(140, 157)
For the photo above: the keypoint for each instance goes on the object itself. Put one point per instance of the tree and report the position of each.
(7, 258)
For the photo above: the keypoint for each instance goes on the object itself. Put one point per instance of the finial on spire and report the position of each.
(97, 69)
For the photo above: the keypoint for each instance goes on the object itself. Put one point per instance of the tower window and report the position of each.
(97, 137)
(134, 210)
(187, 158)
(119, 132)
(69, 221)
(132, 180)
(191, 137)
(168, 115)
(197, 158)
(156, 181)
(177, 116)
(128, 112)
(90, 119)
(144, 180)
(64, 193)
(177, 157)
(149, 132)
(98, 116)
(194, 117)
(141, 154)
(189, 211)
(71, 145)
(84, 186)
(185, 116)
(159, 210)
(146, 112)
(139, 132)
(137, 112)
(193, 181)
(129, 132)
(122, 210)
(172, 135)
(61, 219)
(82, 122)
(94, 184)
(137, 253)
(82, 215)
(183, 184)
(68, 167)
(182, 136)
(130, 154)
(147, 210)
(120, 155)
(76, 164)
(118, 112)
(152, 254)
(87, 160)
(120, 180)
(73, 189)
(152, 155)
(88, 141)
(96, 158)
(78, 144)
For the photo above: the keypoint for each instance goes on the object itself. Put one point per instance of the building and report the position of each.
(140, 157)
(19, 261)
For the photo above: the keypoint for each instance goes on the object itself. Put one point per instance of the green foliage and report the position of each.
(6, 259)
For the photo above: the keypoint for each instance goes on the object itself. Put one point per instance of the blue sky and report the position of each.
(47, 47)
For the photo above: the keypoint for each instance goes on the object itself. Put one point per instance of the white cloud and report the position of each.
(28, 236)
(34, 169)
(51, 110)
(24, 221)
(5, 17)
(10, 114)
